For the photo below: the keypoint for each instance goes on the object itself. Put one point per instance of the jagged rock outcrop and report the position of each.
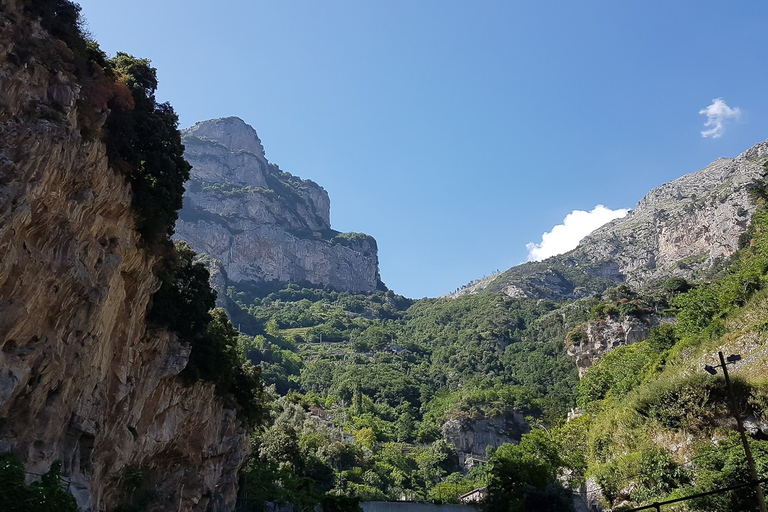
(471, 437)
(676, 230)
(606, 334)
(81, 378)
(261, 224)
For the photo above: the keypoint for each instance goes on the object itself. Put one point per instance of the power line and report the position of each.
(700, 495)
(658, 504)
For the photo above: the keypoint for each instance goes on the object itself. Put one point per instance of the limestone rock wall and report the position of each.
(81, 379)
(609, 333)
(677, 230)
(471, 437)
(261, 224)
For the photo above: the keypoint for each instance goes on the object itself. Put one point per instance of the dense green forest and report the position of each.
(363, 384)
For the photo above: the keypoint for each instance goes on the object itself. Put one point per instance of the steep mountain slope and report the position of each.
(263, 225)
(677, 229)
(82, 379)
(656, 423)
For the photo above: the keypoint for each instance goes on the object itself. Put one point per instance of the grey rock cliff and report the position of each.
(471, 437)
(606, 334)
(677, 230)
(261, 224)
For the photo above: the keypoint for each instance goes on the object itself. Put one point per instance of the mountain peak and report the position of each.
(679, 229)
(232, 132)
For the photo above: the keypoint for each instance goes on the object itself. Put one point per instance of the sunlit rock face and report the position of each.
(260, 224)
(608, 333)
(472, 435)
(679, 229)
(82, 380)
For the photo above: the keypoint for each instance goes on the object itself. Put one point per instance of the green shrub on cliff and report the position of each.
(147, 139)
(43, 496)
(185, 303)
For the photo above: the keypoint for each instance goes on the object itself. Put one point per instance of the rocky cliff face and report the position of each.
(81, 378)
(606, 334)
(261, 224)
(676, 230)
(471, 437)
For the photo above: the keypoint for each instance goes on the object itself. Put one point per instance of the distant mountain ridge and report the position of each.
(677, 230)
(260, 224)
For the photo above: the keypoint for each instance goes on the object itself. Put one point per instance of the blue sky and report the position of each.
(457, 132)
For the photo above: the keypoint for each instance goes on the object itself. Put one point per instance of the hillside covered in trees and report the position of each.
(368, 383)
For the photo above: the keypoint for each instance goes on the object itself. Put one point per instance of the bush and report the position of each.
(43, 496)
(523, 477)
(691, 402)
(620, 371)
(147, 139)
(652, 474)
(717, 468)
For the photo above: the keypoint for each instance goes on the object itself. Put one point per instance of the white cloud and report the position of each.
(575, 227)
(716, 114)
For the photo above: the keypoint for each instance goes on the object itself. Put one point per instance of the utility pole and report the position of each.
(734, 412)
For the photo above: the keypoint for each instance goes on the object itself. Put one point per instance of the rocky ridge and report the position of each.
(677, 230)
(260, 224)
(82, 380)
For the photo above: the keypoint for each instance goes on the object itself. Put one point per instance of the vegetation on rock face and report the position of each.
(524, 476)
(147, 139)
(185, 303)
(391, 376)
(141, 135)
(143, 142)
(363, 384)
(655, 425)
(389, 373)
(116, 103)
(46, 495)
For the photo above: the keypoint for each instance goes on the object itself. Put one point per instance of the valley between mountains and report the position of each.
(181, 328)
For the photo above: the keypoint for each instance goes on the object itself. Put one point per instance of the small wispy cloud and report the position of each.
(575, 227)
(717, 113)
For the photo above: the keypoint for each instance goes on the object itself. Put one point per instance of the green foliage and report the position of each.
(59, 17)
(717, 468)
(393, 374)
(184, 304)
(653, 474)
(524, 476)
(691, 402)
(572, 438)
(185, 297)
(622, 301)
(43, 496)
(146, 140)
(644, 398)
(486, 355)
(662, 338)
(700, 309)
(353, 239)
(331, 503)
(675, 285)
(620, 371)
